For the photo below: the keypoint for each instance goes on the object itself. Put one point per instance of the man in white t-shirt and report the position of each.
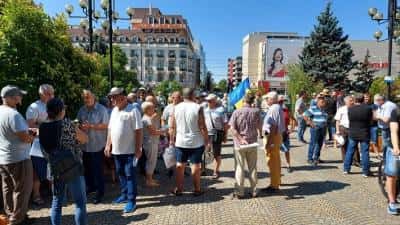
(189, 127)
(35, 115)
(342, 121)
(124, 142)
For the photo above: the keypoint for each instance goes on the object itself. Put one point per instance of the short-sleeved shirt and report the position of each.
(395, 118)
(97, 115)
(300, 107)
(246, 121)
(385, 111)
(215, 119)
(274, 117)
(167, 113)
(360, 117)
(149, 139)
(122, 127)
(374, 108)
(342, 116)
(12, 149)
(318, 116)
(38, 112)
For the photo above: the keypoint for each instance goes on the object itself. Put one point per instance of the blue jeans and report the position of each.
(386, 141)
(316, 142)
(78, 192)
(301, 128)
(127, 176)
(94, 175)
(350, 153)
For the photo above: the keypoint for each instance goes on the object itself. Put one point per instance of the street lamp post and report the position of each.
(393, 16)
(111, 16)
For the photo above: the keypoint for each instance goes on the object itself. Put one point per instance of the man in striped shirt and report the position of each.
(316, 118)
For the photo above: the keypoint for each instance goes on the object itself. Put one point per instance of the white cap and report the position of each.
(211, 97)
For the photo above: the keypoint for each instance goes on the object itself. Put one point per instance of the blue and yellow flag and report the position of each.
(237, 95)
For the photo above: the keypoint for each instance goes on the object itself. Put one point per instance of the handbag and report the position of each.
(64, 165)
(219, 135)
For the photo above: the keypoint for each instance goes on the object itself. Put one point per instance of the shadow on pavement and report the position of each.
(101, 217)
(301, 189)
(310, 167)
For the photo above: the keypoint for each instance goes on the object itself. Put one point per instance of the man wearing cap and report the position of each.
(15, 164)
(124, 142)
(316, 118)
(94, 121)
(216, 121)
(35, 115)
(274, 126)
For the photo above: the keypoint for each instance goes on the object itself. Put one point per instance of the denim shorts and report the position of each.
(194, 155)
(392, 164)
(373, 135)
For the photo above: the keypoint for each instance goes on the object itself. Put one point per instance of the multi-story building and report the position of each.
(159, 47)
(201, 67)
(235, 70)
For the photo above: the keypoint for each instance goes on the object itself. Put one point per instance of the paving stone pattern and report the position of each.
(309, 195)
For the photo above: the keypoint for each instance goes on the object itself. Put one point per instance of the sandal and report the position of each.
(176, 192)
(198, 193)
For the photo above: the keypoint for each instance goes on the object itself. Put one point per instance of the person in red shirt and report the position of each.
(285, 147)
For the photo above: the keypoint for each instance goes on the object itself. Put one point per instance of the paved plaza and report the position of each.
(309, 195)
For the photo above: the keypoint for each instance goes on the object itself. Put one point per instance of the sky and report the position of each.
(221, 25)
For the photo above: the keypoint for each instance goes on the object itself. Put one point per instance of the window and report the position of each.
(173, 20)
(150, 40)
(172, 40)
(160, 77)
(162, 20)
(160, 64)
(182, 65)
(182, 77)
(134, 53)
(135, 39)
(148, 53)
(171, 65)
(160, 53)
(183, 54)
(182, 40)
(149, 77)
(148, 63)
(171, 76)
(171, 53)
(161, 40)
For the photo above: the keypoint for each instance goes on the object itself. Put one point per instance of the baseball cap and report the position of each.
(203, 94)
(211, 96)
(9, 91)
(116, 91)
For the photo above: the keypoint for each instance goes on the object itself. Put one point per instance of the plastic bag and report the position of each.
(169, 157)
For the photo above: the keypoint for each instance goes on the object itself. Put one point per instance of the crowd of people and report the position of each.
(133, 129)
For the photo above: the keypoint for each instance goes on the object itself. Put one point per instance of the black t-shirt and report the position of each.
(395, 117)
(360, 117)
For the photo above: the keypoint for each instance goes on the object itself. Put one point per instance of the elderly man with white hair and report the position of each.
(273, 127)
(385, 110)
(342, 122)
(35, 115)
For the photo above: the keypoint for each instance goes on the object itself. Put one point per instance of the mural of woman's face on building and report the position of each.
(278, 55)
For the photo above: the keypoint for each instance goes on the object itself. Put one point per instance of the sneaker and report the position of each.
(392, 209)
(289, 169)
(366, 175)
(130, 207)
(345, 172)
(120, 199)
(310, 162)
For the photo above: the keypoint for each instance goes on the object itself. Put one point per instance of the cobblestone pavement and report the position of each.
(309, 195)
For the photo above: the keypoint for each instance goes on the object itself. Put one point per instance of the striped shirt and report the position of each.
(318, 116)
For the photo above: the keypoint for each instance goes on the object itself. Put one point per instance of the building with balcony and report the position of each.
(159, 47)
(235, 70)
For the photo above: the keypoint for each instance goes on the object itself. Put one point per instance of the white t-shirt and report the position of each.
(122, 127)
(38, 112)
(188, 133)
(342, 116)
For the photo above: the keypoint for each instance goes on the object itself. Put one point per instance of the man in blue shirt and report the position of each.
(317, 118)
(383, 115)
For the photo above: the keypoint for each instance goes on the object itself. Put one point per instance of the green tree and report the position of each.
(167, 87)
(364, 75)
(300, 81)
(327, 56)
(222, 85)
(36, 49)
